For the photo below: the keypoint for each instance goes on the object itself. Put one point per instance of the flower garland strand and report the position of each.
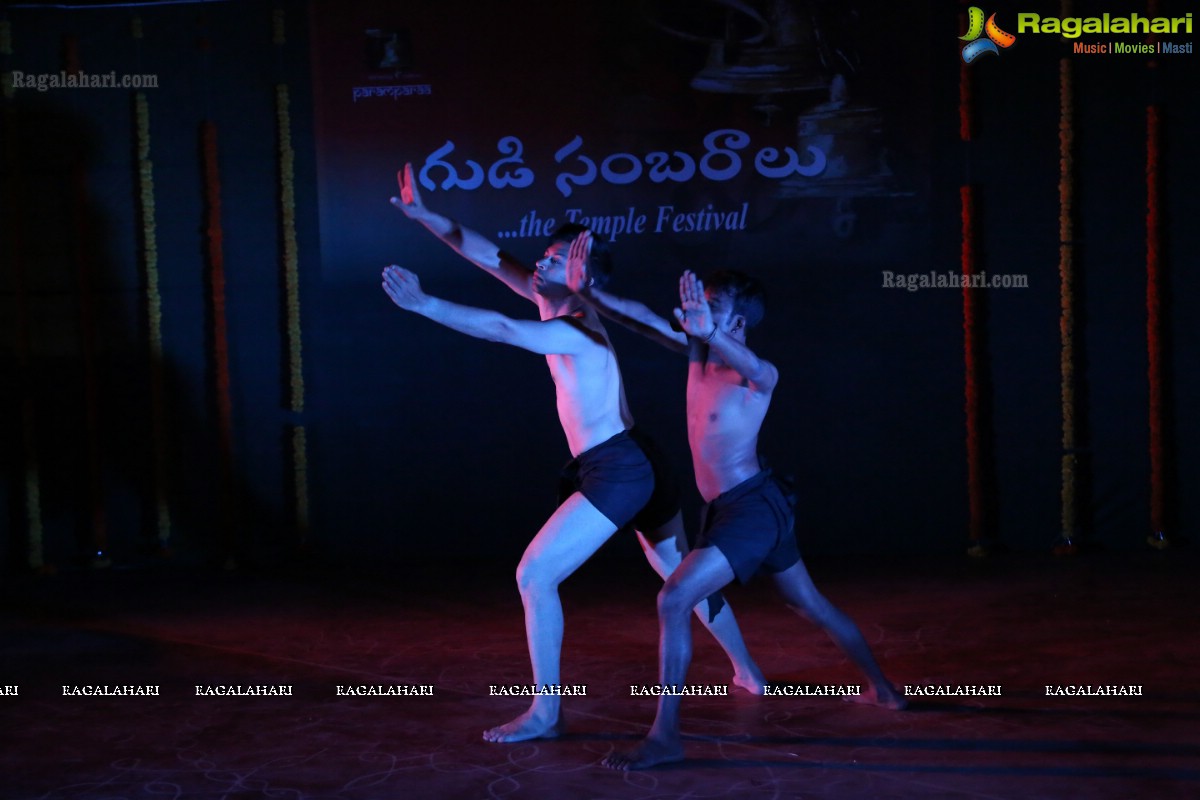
(291, 280)
(1154, 350)
(300, 480)
(1158, 537)
(971, 400)
(14, 245)
(287, 205)
(971, 389)
(153, 305)
(1066, 324)
(214, 237)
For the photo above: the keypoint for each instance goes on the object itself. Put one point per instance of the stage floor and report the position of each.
(1018, 622)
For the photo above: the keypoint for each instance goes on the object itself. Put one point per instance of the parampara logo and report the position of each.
(976, 27)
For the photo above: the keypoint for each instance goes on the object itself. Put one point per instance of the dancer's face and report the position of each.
(720, 304)
(550, 277)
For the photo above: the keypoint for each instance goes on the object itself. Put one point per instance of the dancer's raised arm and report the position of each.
(696, 317)
(630, 313)
(469, 244)
(560, 335)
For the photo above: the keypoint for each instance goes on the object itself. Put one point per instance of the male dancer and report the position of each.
(748, 519)
(612, 478)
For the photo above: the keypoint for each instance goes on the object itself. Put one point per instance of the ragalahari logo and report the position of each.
(976, 27)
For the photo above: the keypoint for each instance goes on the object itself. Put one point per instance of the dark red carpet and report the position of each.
(1022, 622)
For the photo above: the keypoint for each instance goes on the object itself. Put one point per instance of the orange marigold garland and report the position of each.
(300, 479)
(153, 306)
(1066, 276)
(287, 206)
(278, 27)
(291, 281)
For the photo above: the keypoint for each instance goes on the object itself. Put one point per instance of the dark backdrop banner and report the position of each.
(707, 136)
(815, 144)
(791, 140)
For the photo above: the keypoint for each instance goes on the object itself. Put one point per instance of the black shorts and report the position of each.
(627, 478)
(664, 502)
(752, 525)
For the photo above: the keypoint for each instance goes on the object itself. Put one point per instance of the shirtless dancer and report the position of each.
(747, 522)
(612, 477)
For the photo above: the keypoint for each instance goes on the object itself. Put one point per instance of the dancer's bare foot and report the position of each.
(882, 695)
(651, 752)
(529, 725)
(750, 678)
